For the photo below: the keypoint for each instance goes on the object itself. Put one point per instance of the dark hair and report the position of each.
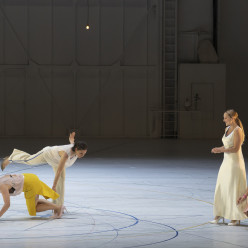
(11, 190)
(80, 145)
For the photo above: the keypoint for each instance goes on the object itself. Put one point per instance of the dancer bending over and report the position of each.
(30, 184)
(59, 157)
(231, 181)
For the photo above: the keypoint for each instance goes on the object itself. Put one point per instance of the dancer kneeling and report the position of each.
(32, 186)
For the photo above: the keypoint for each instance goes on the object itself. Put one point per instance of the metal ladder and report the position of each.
(169, 69)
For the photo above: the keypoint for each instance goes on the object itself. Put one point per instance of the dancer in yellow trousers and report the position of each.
(59, 157)
(32, 186)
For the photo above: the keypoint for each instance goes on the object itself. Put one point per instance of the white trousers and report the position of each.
(22, 157)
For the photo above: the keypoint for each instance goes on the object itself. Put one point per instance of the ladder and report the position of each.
(169, 69)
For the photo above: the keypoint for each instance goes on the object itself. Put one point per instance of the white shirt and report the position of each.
(15, 181)
(51, 155)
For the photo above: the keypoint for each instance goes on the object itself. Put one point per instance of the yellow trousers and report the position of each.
(34, 186)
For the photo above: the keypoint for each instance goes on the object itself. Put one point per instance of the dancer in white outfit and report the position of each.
(231, 181)
(59, 157)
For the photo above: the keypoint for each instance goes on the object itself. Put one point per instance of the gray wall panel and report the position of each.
(63, 32)
(81, 79)
(195, 15)
(153, 29)
(2, 31)
(135, 32)
(88, 104)
(195, 23)
(63, 101)
(88, 41)
(233, 51)
(111, 103)
(135, 103)
(40, 31)
(14, 53)
(111, 32)
(38, 103)
(15, 37)
(15, 101)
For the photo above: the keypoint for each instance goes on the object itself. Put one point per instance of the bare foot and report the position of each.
(55, 213)
(5, 163)
(58, 212)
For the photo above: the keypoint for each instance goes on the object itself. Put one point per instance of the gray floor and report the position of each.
(126, 193)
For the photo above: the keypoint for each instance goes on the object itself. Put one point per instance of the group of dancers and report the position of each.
(230, 193)
(60, 158)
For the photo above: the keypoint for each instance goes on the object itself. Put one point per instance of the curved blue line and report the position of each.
(114, 229)
(137, 221)
(82, 234)
(133, 217)
(158, 242)
(157, 223)
(116, 236)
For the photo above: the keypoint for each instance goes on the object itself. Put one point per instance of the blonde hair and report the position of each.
(233, 114)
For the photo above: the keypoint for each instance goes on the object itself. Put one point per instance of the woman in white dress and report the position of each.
(59, 157)
(231, 181)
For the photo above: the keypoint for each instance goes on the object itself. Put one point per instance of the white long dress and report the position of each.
(231, 183)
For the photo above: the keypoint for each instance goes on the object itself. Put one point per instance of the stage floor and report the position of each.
(126, 193)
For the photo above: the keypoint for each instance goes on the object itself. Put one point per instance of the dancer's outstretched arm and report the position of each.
(72, 137)
(61, 166)
(6, 198)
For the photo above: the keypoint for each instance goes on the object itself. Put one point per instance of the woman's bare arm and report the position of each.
(61, 166)
(6, 198)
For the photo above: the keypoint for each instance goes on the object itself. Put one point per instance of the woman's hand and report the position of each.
(240, 200)
(72, 137)
(218, 150)
(214, 150)
(54, 188)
